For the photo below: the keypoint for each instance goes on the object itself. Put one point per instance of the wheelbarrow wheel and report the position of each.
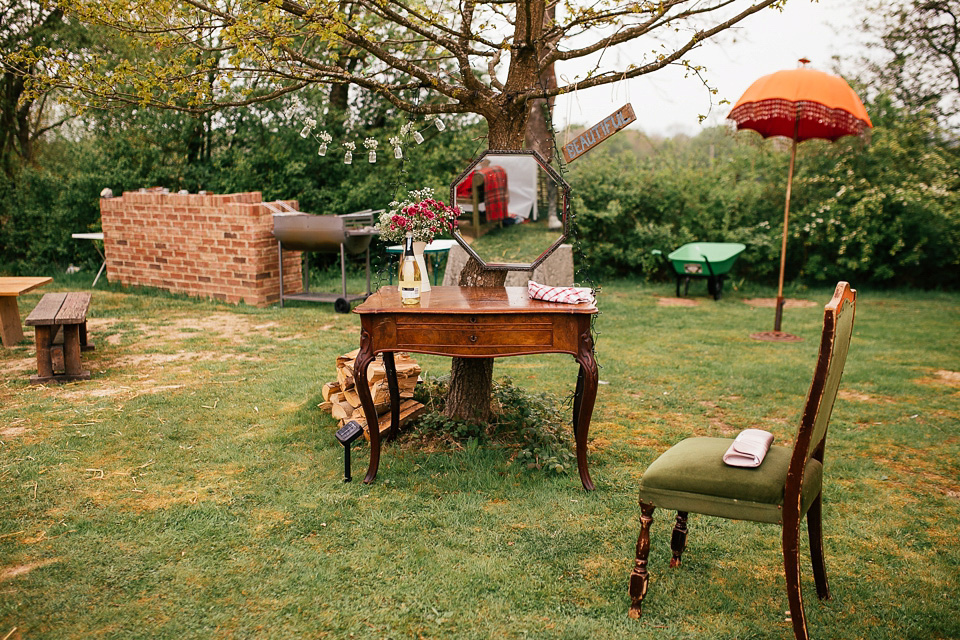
(715, 287)
(341, 305)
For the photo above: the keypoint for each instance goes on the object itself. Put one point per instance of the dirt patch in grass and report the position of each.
(24, 364)
(151, 360)
(9, 573)
(942, 377)
(857, 396)
(596, 566)
(676, 302)
(949, 377)
(125, 491)
(914, 469)
(235, 327)
(772, 302)
(13, 431)
(651, 443)
(120, 391)
(599, 443)
(717, 424)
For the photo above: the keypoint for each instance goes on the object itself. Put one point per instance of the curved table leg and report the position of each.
(360, 365)
(583, 402)
(390, 367)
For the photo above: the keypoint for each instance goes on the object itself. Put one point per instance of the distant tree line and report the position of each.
(885, 211)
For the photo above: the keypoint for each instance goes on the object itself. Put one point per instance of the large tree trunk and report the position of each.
(471, 379)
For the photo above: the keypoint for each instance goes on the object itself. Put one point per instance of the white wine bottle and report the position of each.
(411, 279)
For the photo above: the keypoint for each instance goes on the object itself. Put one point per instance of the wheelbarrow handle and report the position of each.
(709, 266)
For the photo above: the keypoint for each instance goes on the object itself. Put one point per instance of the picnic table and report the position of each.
(11, 288)
(97, 237)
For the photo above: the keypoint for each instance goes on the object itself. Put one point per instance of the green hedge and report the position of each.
(887, 212)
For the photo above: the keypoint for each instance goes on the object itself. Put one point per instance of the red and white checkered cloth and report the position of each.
(569, 295)
(496, 195)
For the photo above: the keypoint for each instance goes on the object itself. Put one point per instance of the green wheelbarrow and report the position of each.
(710, 260)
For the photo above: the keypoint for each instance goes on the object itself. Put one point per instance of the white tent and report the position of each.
(521, 183)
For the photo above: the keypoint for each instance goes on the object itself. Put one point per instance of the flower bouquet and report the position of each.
(422, 215)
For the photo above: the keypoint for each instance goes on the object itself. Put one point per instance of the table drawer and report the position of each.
(493, 332)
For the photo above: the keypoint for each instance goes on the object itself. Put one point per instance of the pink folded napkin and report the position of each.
(749, 448)
(569, 295)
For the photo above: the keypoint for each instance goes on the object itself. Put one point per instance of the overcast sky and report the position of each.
(666, 103)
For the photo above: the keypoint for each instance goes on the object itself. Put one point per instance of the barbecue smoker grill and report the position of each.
(298, 231)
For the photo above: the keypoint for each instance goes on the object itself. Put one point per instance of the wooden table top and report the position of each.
(18, 285)
(478, 300)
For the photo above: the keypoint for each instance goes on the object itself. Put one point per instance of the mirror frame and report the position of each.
(564, 204)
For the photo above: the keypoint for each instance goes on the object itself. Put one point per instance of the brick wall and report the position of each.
(217, 246)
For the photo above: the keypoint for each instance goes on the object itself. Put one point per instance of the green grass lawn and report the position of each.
(192, 488)
(516, 244)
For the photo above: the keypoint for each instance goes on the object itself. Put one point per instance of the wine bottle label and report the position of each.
(409, 292)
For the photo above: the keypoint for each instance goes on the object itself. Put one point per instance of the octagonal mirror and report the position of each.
(514, 209)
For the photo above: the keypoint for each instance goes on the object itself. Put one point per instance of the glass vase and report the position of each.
(418, 248)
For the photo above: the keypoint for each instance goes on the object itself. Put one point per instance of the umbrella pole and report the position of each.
(783, 245)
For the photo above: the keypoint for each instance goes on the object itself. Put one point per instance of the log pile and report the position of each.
(341, 399)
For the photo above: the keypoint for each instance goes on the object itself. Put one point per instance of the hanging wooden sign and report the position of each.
(599, 132)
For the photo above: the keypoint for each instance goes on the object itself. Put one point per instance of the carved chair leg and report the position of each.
(791, 569)
(678, 542)
(639, 578)
(815, 531)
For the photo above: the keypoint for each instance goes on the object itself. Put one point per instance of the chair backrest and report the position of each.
(834, 343)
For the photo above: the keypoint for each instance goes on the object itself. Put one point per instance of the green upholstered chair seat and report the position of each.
(691, 476)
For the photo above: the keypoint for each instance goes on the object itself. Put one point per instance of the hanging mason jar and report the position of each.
(322, 151)
(305, 131)
(439, 123)
(418, 137)
(372, 156)
(398, 153)
(348, 157)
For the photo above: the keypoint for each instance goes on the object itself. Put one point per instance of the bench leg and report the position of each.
(71, 351)
(84, 343)
(44, 339)
(11, 332)
(73, 367)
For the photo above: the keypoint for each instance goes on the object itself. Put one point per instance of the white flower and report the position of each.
(405, 129)
(371, 143)
(325, 137)
(349, 146)
(395, 141)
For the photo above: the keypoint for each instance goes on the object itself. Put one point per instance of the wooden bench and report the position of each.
(55, 311)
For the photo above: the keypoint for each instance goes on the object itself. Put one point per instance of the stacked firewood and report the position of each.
(341, 399)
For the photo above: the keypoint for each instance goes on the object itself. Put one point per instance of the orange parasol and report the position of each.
(800, 104)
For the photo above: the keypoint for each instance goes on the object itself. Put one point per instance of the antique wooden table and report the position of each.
(475, 322)
(11, 331)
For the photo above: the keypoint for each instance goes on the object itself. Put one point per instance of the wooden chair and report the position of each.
(692, 477)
